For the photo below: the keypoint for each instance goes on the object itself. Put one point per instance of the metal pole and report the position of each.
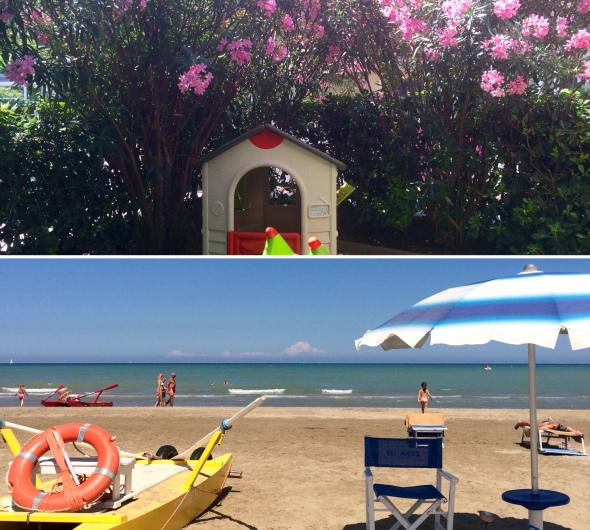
(535, 516)
(533, 418)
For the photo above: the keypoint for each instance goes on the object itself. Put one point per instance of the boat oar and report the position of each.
(101, 390)
(58, 389)
(225, 425)
(8, 425)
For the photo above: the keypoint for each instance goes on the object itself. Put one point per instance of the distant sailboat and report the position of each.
(10, 361)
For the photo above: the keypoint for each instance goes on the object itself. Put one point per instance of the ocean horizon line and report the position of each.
(174, 363)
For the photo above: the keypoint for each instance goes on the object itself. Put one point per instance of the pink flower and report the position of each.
(491, 81)
(18, 70)
(43, 37)
(500, 46)
(535, 24)
(584, 6)
(447, 37)
(561, 26)
(506, 8)
(432, 55)
(269, 7)
(455, 8)
(222, 44)
(586, 73)
(516, 87)
(287, 23)
(520, 46)
(238, 52)
(319, 31)
(195, 78)
(143, 4)
(6, 17)
(579, 40)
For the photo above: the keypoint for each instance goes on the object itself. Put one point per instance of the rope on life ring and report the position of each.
(72, 497)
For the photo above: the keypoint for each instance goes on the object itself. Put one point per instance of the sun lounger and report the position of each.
(563, 437)
(431, 425)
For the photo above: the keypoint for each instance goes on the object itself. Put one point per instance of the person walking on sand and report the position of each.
(423, 395)
(160, 391)
(21, 393)
(171, 386)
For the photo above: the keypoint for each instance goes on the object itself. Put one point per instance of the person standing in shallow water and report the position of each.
(171, 386)
(423, 395)
(160, 391)
(21, 393)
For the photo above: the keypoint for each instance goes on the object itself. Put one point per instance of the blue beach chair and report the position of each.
(408, 453)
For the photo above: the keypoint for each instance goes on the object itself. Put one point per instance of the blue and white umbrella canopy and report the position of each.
(531, 308)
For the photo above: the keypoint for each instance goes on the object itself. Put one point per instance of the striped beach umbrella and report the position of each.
(531, 308)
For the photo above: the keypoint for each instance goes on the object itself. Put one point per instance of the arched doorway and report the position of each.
(267, 196)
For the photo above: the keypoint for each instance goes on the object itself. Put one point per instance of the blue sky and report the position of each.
(238, 310)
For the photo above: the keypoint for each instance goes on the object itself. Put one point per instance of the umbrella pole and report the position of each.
(535, 516)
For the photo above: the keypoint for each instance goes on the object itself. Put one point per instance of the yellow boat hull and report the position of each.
(167, 505)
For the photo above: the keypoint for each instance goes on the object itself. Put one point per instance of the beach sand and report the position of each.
(302, 468)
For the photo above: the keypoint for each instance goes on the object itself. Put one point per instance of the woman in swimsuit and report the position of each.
(21, 393)
(161, 391)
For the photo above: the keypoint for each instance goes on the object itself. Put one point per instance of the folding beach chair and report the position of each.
(408, 453)
(426, 425)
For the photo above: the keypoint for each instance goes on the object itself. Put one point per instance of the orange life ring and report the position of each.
(20, 475)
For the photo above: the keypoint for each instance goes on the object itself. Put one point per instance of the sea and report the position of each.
(504, 386)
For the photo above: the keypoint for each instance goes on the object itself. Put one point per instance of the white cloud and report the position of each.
(178, 353)
(301, 347)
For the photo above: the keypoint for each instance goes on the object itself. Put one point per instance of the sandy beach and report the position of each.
(302, 468)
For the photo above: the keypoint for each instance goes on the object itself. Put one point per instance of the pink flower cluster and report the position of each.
(500, 46)
(401, 16)
(447, 37)
(18, 70)
(584, 6)
(278, 52)
(5, 16)
(269, 7)
(238, 50)
(288, 23)
(585, 74)
(454, 9)
(516, 87)
(432, 54)
(580, 40)
(536, 25)
(561, 26)
(314, 8)
(195, 78)
(491, 81)
(120, 7)
(506, 8)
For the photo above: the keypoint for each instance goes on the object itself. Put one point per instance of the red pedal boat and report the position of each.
(67, 399)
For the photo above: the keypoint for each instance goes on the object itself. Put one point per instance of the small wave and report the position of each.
(9, 390)
(241, 391)
(334, 391)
